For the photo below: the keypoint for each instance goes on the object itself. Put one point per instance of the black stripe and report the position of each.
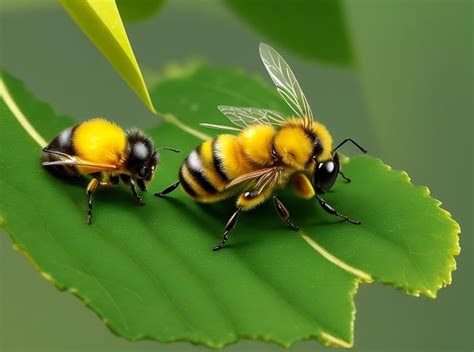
(317, 147)
(217, 162)
(68, 148)
(61, 171)
(312, 137)
(185, 184)
(199, 177)
(73, 131)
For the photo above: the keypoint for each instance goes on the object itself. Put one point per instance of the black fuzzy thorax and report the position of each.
(135, 161)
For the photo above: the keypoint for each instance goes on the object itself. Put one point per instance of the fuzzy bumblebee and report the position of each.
(269, 151)
(106, 152)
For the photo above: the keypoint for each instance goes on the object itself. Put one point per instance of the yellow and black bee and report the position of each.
(106, 152)
(270, 151)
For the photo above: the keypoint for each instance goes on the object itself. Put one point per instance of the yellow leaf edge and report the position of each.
(188, 68)
(444, 279)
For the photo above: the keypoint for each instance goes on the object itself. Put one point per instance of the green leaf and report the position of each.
(101, 22)
(406, 239)
(149, 272)
(133, 11)
(316, 30)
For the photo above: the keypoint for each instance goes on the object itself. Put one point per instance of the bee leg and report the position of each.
(167, 190)
(91, 188)
(228, 227)
(135, 194)
(328, 208)
(347, 179)
(284, 213)
(131, 183)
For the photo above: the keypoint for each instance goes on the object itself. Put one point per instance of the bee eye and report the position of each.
(328, 167)
(143, 172)
(325, 175)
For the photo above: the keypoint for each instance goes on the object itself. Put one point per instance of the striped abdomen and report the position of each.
(62, 143)
(211, 166)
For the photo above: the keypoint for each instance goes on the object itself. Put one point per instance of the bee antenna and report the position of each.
(166, 148)
(353, 142)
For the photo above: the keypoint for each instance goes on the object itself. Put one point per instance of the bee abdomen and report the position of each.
(194, 178)
(60, 171)
(202, 174)
(217, 163)
(62, 143)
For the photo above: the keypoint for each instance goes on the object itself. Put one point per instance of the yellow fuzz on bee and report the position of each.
(302, 186)
(257, 143)
(207, 160)
(100, 141)
(251, 203)
(232, 156)
(200, 192)
(293, 146)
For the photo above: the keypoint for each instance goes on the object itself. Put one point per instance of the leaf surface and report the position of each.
(149, 272)
(101, 22)
(406, 239)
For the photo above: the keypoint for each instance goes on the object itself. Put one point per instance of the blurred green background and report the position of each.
(408, 98)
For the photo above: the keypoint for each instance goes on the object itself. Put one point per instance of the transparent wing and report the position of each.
(259, 180)
(71, 160)
(286, 82)
(220, 127)
(244, 117)
(79, 162)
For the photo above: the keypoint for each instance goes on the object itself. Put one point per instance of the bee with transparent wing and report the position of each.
(269, 152)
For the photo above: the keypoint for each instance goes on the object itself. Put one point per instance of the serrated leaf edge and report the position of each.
(443, 280)
(323, 336)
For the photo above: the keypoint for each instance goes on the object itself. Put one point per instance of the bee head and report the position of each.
(325, 174)
(142, 158)
(326, 171)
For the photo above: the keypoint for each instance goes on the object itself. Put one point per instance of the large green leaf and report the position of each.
(101, 22)
(316, 30)
(149, 272)
(399, 219)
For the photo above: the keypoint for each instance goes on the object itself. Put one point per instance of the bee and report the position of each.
(106, 152)
(270, 151)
